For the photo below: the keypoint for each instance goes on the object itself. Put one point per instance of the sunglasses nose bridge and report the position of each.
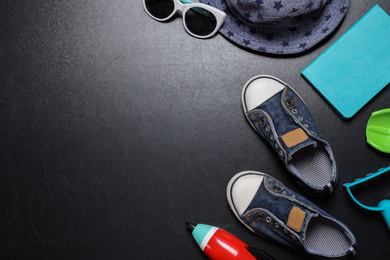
(181, 8)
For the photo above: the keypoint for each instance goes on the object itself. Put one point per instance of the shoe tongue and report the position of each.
(295, 140)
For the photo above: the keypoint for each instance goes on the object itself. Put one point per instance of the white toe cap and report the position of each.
(243, 189)
(258, 90)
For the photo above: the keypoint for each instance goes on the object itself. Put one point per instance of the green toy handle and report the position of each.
(379, 129)
(385, 205)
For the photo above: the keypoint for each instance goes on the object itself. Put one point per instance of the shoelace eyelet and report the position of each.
(262, 121)
(276, 188)
(259, 216)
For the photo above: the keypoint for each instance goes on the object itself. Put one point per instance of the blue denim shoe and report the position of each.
(280, 116)
(268, 208)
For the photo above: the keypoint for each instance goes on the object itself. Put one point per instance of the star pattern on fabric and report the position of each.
(270, 38)
(278, 5)
(259, 2)
(246, 42)
(307, 33)
(285, 44)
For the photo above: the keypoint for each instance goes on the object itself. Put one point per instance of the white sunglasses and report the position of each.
(200, 20)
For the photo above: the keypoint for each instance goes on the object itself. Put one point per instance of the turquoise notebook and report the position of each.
(356, 66)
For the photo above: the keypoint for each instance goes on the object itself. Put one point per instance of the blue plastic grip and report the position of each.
(385, 205)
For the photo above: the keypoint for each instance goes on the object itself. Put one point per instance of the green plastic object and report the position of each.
(378, 130)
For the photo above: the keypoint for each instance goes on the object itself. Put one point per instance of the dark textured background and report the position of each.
(115, 129)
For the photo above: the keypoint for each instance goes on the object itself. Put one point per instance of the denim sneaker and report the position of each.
(268, 208)
(280, 116)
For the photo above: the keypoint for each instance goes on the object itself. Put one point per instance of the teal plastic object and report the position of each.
(383, 206)
(378, 130)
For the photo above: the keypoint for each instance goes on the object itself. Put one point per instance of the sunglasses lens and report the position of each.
(200, 21)
(160, 8)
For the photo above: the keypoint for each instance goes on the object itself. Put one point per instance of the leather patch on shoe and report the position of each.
(296, 218)
(294, 137)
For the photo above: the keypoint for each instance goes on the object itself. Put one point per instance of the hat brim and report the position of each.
(310, 29)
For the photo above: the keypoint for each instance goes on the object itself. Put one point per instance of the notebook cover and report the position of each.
(356, 66)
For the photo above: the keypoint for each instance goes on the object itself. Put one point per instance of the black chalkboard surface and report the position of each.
(115, 129)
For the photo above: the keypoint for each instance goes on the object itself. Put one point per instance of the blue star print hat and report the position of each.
(279, 26)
